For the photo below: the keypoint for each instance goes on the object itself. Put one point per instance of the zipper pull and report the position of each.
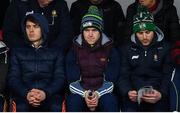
(145, 53)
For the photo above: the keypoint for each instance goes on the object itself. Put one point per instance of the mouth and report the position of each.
(141, 1)
(145, 42)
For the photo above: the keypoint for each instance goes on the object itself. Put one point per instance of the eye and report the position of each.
(140, 33)
(148, 32)
(28, 26)
(94, 30)
(36, 26)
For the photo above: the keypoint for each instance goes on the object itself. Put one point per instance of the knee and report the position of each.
(108, 98)
(54, 104)
(75, 103)
(109, 102)
(21, 107)
(74, 98)
(56, 108)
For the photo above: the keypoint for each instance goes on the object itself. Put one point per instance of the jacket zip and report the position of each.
(145, 53)
(36, 84)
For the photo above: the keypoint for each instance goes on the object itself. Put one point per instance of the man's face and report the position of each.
(44, 3)
(147, 3)
(33, 32)
(91, 35)
(145, 37)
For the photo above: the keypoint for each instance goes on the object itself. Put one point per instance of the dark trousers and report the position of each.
(161, 106)
(107, 103)
(53, 104)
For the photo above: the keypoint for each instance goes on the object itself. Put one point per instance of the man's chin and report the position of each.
(145, 44)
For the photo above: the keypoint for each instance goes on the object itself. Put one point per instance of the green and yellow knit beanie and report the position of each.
(93, 18)
(143, 20)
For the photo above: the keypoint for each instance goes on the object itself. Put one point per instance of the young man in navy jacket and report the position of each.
(36, 78)
(146, 67)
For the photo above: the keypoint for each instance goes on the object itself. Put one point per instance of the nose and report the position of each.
(90, 33)
(144, 36)
(31, 29)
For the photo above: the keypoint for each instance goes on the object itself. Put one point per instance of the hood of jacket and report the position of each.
(42, 22)
(166, 3)
(105, 41)
(159, 33)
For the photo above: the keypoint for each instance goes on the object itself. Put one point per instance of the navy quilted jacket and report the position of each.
(40, 68)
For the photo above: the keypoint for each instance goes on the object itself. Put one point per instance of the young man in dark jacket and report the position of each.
(165, 17)
(146, 68)
(56, 12)
(112, 15)
(92, 68)
(36, 78)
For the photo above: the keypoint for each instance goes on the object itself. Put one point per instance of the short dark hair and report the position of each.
(31, 19)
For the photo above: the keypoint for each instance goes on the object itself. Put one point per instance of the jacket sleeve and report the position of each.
(15, 84)
(167, 69)
(57, 84)
(72, 68)
(119, 22)
(124, 84)
(174, 26)
(76, 17)
(65, 31)
(12, 34)
(107, 87)
(112, 71)
(131, 11)
(76, 88)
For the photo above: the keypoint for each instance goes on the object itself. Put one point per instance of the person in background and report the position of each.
(56, 12)
(92, 68)
(36, 77)
(146, 67)
(112, 15)
(165, 17)
(4, 5)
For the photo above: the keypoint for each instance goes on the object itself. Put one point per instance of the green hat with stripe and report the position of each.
(93, 18)
(143, 20)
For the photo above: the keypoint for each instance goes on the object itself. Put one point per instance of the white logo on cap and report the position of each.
(87, 24)
(142, 26)
(135, 57)
(28, 13)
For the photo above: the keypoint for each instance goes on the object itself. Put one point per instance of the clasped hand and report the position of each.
(35, 97)
(92, 102)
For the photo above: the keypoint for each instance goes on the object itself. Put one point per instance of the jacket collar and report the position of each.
(104, 42)
(159, 33)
